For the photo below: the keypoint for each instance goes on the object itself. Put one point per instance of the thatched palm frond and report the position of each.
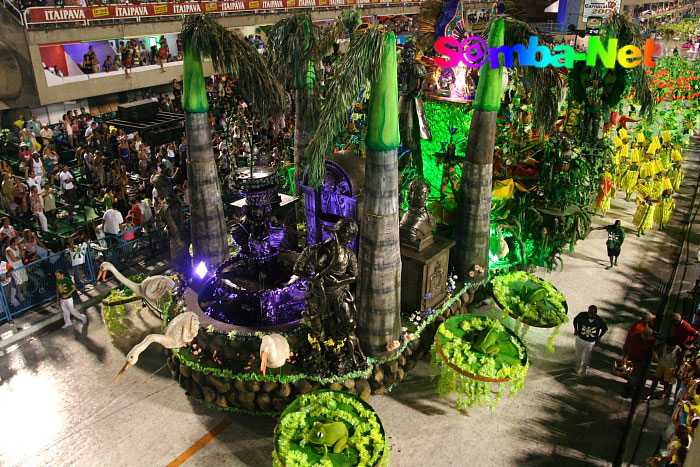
(348, 19)
(426, 21)
(353, 72)
(627, 33)
(289, 47)
(229, 52)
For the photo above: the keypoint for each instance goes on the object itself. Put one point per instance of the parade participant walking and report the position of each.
(65, 288)
(637, 349)
(616, 236)
(669, 361)
(589, 328)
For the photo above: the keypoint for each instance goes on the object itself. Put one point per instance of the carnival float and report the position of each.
(422, 190)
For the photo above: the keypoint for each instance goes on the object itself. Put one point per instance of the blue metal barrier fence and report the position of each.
(35, 283)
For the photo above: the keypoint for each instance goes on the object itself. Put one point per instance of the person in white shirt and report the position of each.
(7, 230)
(77, 250)
(112, 221)
(68, 188)
(38, 164)
(34, 180)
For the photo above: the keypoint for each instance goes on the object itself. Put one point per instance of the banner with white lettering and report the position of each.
(51, 15)
(601, 8)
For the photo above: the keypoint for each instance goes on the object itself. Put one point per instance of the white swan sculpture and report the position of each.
(180, 331)
(503, 249)
(152, 288)
(274, 352)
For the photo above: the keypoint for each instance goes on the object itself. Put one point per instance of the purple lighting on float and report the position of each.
(201, 270)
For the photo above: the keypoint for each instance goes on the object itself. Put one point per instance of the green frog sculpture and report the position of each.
(333, 434)
(485, 341)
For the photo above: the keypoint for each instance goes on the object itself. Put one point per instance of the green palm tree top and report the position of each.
(383, 117)
(203, 37)
(489, 90)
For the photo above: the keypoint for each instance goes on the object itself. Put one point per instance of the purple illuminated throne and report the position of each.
(339, 196)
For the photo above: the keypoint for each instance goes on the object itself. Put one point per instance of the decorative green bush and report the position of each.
(531, 301)
(472, 352)
(536, 301)
(366, 442)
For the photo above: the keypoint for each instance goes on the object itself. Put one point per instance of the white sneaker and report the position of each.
(67, 325)
(83, 318)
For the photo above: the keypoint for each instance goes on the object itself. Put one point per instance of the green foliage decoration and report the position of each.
(366, 444)
(466, 370)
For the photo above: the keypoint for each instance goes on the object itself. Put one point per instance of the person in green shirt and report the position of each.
(616, 236)
(108, 199)
(65, 288)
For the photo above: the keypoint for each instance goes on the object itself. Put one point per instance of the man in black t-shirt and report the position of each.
(589, 328)
(616, 236)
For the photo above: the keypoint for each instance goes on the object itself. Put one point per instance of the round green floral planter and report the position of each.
(330, 429)
(471, 353)
(531, 302)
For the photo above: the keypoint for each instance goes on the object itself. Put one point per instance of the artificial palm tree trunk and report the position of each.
(379, 281)
(305, 122)
(304, 128)
(474, 217)
(207, 223)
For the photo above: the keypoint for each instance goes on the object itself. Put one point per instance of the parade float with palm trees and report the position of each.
(279, 323)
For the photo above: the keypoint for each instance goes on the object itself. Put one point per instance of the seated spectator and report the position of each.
(7, 231)
(128, 229)
(57, 72)
(34, 249)
(86, 65)
(47, 136)
(50, 161)
(108, 65)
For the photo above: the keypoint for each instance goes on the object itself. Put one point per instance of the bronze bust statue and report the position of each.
(417, 224)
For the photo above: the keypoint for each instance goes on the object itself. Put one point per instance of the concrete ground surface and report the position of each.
(61, 406)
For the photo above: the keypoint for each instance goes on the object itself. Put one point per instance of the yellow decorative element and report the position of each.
(617, 141)
(676, 156)
(643, 190)
(666, 135)
(625, 151)
(640, 138)
(635, 155)
(503, 189)
(623, 134)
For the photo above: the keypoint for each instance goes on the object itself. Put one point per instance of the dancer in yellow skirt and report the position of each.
(644, 217)
(631, 175)
(606, 193)
(676, 173)
(623, 164)
(665, 151)
(656, 186)
(664, 209)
